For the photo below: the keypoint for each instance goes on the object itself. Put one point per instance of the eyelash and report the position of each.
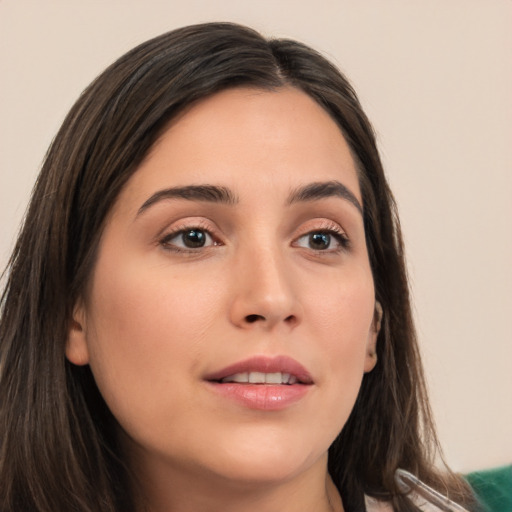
(331, 230)
(165, 241)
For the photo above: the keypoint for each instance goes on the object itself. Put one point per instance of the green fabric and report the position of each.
(493, 487)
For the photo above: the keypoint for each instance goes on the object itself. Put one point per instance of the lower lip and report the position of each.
(264, 397)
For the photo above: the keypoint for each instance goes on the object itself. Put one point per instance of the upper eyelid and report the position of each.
(175, 232)
(326, 225)
(320, 224)
(330, 230)
(211, 227)
(335, 230)
(164, 240)
(187, 223)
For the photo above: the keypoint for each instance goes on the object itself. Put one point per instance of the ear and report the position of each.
(77, 351)
(371, 345)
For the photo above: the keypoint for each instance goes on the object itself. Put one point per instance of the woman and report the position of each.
(207, 307)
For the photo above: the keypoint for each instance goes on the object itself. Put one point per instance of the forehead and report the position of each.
(249, 139)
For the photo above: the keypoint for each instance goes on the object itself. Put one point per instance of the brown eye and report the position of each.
(325, 240)
(319, 241)
(194, 238)
(190, 238)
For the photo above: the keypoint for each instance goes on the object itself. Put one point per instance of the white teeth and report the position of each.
(239, 377)
(257, 378)
(261, 378)
(273, 378)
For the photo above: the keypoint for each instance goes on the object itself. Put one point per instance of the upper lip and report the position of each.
(264, 364)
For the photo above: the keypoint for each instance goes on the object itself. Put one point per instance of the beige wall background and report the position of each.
(435, 77)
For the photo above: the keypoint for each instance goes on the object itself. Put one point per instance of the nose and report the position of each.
(265, 292)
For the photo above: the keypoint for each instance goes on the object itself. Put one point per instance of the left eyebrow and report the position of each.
(323, 189)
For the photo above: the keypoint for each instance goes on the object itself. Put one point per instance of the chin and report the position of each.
(263, 472)
(265, 459)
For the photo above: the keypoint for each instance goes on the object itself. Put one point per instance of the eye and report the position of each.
(188, 239)
(323, 240)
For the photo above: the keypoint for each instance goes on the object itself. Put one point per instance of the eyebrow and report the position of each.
(207, 193)
(223, 195)
(324, 189)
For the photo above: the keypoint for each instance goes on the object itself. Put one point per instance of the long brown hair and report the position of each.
(58, 440)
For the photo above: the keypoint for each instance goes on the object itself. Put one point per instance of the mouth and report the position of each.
(263, 383)
(274, 378)
(279, 370)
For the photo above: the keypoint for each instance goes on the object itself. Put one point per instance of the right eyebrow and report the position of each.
(204, 193)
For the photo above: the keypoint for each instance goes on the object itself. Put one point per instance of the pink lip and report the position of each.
(267, 397)
(265, 364)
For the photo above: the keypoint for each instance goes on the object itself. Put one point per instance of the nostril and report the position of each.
(291, 321)
(253, 318)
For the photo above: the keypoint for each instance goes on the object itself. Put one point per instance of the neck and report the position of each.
(178, 490)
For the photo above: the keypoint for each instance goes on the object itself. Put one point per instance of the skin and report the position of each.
(159, 317)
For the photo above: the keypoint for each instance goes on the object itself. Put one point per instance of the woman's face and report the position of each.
(230, 314)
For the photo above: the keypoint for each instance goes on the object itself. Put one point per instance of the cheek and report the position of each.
(142, 307)
(145, 327)
(342, 308)
(341, 316)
